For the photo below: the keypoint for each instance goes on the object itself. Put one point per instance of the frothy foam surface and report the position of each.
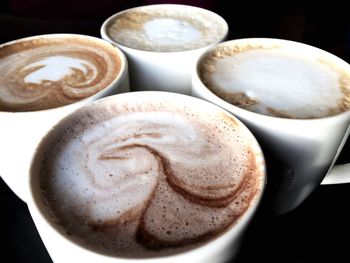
(277, 81)
(165, 29)
(144, 179)
(56, 68)
(45, 73)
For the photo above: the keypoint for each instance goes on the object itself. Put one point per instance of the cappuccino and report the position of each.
(146, 177)
(166, 28)
(48, 72)
(281, 79)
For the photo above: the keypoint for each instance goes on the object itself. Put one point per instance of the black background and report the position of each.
(317, 231)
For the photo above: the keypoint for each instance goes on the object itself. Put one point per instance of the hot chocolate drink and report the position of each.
(147, 177)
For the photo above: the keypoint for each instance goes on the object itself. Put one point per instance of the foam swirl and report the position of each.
(50, 72)
(145, 181)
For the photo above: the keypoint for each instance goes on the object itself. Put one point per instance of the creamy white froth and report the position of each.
(166, 29)
(147, 179)
(56, 68)
(278, 82)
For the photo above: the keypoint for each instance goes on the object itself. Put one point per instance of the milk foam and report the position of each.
(279, 82)
(166, 29)
(44, 73)
(145, 179)
(56, 68)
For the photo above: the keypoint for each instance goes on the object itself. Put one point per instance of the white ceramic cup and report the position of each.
(165, 71)
(305, 150)
(20, 132)
(220, 249)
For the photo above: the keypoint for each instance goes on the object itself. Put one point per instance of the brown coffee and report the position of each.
(47, 72)
(147, 177)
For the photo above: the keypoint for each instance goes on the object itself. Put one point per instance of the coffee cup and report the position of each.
(146, 177)
(162, 43)
(295, 100)
(43, 78)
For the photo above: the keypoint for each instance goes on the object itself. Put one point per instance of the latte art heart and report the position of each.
(143, 179)
(52, 72)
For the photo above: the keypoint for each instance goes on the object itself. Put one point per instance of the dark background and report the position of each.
(317, 231)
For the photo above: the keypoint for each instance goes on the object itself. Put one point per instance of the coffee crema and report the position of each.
(48, 72)
(166, 28)
(276, 80)
(146, 178)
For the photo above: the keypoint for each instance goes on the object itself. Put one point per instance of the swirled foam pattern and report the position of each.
(46, 73)
(146, 179)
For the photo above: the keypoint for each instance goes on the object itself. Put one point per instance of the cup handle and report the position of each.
(339, 174)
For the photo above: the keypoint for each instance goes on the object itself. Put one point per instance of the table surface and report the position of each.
(317, 231)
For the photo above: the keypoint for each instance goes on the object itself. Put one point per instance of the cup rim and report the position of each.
(221, 102)
(234, 230)
(105, 35)
(118, 78)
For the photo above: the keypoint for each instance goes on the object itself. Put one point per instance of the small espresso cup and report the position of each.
(43, 78)
(146, 177)
(295, 98)
(163, 42)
